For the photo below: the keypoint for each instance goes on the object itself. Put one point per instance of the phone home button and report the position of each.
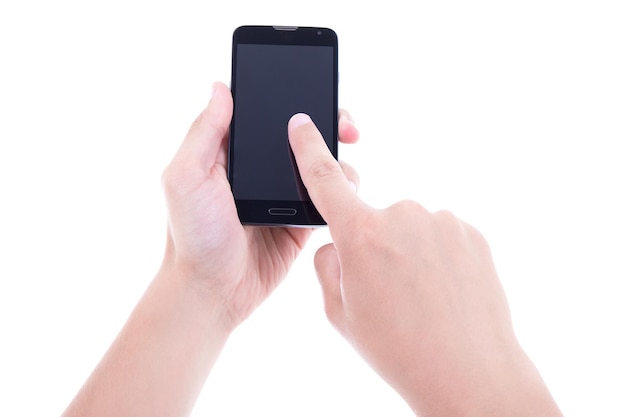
(282, 211)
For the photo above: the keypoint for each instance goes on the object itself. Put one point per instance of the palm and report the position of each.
(240, 265)
(261, 255)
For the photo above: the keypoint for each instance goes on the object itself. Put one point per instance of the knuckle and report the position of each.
(408, 208)
(476, 237)
(323, 170)
(448, 217)
(447, 222)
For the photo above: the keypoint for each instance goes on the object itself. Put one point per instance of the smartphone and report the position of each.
(278, 71)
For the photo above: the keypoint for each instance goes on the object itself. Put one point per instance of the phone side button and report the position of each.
(282, 211)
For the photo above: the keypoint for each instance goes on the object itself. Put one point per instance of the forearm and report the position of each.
(161, 358)
(507, 384)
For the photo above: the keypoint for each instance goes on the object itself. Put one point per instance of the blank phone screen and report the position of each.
(272, 83)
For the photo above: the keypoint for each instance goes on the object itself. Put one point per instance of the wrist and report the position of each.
(196, 300)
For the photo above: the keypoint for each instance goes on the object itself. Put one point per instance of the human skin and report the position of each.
(215, 272)
(417, 295)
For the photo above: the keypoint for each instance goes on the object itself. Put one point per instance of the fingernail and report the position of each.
(299, 119)
(353, 185)
(213, 89)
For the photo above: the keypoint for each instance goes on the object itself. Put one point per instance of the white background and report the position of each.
(510, 114)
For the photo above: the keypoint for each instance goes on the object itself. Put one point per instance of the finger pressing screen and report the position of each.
(328, 187)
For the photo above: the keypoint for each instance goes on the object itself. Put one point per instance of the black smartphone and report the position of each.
(278, 71)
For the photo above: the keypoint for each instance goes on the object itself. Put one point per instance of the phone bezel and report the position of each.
(273, 212)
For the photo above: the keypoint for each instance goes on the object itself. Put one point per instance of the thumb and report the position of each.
(328, 271)
(206, 137)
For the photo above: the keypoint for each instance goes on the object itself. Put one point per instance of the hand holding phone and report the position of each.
(278, 71)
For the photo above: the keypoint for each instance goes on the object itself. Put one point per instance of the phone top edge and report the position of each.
(282, 27)
(285, 29)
